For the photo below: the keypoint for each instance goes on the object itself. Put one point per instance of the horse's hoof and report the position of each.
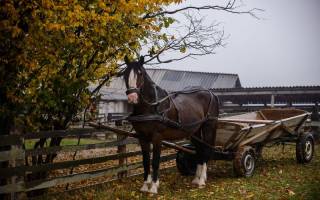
(154, 187)
(195, 181)
(202, 183)
(153, 190)
(144, 188)
(202, 186)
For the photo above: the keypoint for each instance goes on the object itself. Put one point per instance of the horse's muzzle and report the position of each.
(132, 94)
(133, 98)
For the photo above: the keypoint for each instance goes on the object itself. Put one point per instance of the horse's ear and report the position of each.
(120, 73)
(141, 60)
(126, 59)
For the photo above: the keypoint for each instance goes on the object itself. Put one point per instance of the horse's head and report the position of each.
(134, 78)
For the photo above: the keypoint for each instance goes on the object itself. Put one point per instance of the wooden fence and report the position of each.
(17, 171)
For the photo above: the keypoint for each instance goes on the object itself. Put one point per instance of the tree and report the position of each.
(51, 50)
(56, 48)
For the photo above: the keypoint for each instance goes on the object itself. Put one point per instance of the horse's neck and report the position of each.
(150, 93)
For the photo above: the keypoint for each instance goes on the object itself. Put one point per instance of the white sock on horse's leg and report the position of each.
(204, 172)
(154, 187)
(203, 176)
(149, 179)
(197, 175)
(146, 183)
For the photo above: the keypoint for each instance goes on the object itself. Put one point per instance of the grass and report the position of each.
(277, 176)
(65, 142)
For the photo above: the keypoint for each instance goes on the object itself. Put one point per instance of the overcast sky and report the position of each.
(283, 49)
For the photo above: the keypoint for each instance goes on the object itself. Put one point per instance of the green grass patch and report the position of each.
(277, 176)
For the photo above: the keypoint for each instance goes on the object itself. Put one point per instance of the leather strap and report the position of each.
(132, 90)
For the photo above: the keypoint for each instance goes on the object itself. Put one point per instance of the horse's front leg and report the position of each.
(145, 147)
(155, 166)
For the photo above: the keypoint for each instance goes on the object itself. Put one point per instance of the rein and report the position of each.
(159, 101)
(168, 122)
(162, 115)
(164, 119)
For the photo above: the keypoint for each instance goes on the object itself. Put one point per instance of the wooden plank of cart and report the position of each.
(240, 138)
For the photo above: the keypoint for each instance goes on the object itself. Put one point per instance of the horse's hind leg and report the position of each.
(201, 173)
(198, 171)
(145, 147)
(200, 159)
(208, 131)
(209, 136)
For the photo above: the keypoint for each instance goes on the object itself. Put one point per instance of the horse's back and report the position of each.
(192, 103)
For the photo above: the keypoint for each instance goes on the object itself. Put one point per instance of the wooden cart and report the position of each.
(241, 138)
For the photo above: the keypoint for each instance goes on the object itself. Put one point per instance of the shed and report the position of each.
(114, 100)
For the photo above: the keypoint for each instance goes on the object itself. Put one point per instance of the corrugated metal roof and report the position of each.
(270, 88)
(174, 80)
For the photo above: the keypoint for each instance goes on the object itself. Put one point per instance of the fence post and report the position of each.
(16, 163)
(4, 164)
(121, 149)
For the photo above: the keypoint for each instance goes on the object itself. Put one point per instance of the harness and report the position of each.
(162, 116)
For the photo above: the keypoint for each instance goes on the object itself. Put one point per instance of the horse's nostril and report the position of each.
(133, 98)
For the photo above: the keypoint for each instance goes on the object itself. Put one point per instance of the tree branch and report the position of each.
(230, 7)
(197, 39)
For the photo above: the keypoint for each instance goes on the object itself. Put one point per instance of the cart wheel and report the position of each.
(305, 148)
(186, 163)
(244, 161)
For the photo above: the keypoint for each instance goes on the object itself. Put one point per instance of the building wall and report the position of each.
(114, 99)
(106, 107)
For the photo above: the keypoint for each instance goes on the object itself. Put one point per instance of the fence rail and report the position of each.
(23, 170)
(18, 154)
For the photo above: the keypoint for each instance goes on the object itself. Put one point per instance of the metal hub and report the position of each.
(308, 149)
(249, 163)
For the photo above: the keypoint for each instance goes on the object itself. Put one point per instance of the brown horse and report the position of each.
(158, 115)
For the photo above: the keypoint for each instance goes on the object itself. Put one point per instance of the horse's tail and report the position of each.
(208, 128)
(214, 105)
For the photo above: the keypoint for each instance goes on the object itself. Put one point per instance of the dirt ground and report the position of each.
(277, 176)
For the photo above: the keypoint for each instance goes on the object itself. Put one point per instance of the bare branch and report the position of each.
(197, 40)
(230, 7)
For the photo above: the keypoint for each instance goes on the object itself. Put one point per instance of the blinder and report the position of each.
(132, 90)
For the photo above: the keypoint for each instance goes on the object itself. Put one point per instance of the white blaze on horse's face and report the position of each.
(132, 83)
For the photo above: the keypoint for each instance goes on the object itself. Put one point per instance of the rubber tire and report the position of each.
(243, 153)
(301, 146)
(186, 163)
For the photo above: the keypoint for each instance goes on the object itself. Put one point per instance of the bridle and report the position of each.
(138, 90)
(161, 116)
(132, 90)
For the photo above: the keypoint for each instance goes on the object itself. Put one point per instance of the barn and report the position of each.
(114, 100)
